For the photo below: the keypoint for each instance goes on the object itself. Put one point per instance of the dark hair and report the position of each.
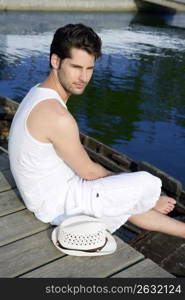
(75, 36)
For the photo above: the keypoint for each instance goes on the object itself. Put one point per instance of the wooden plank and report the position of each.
(27, 254)
(175, 262)
(6, 181)
(10, 201)
(171, 257)
(102, 266)
(144, 269)
(4, 162)
(108, 163)
(18, 225)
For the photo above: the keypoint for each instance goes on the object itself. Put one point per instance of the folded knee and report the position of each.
(149, 178)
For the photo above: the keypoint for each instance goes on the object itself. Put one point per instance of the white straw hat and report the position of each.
(83, 236)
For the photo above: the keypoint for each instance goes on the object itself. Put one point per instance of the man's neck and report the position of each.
(52, 82)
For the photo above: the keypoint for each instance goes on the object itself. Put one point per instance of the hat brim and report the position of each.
(109, 248)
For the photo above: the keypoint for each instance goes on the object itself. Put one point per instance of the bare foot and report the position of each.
(165, 205)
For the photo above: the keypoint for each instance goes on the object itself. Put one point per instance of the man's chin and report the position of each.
(78, 91)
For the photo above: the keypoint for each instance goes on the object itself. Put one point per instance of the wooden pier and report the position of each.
(26, 249)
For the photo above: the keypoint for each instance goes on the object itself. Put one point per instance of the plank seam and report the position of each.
(25, 236)
(2, 216)
(128, 267)
(43, 265)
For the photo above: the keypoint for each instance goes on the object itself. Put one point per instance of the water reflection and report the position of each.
(135, 101)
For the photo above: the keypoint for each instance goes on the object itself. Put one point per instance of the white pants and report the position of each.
(113, 199)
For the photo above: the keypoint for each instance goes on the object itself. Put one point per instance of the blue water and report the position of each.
(135, 102)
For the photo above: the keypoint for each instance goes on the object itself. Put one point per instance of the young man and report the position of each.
(52, 170)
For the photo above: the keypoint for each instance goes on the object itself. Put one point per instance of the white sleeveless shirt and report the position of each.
(41, 176)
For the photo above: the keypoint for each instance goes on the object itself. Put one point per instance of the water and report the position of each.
(135, 102)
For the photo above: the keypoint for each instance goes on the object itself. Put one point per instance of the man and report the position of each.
(52, 170)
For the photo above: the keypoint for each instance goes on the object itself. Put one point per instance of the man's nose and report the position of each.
(83, 75)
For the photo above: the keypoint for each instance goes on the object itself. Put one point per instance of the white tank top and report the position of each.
(41, 176)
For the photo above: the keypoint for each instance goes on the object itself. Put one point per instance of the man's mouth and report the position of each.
(80, 85)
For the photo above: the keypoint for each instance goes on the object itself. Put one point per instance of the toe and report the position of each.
(172, 201)
(172, 206)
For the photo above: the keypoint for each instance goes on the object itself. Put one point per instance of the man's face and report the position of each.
(75, 72)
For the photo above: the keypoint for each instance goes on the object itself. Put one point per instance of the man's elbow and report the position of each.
(88, 176)
(95, 172)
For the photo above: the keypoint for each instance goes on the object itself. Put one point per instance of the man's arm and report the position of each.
(64, 135)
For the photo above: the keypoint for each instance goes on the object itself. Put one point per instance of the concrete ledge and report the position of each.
(172, 6)
(66, 5)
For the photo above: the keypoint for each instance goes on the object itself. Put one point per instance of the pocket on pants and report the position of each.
(116, 201)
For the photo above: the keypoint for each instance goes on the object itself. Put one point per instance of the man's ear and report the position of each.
(55, 61)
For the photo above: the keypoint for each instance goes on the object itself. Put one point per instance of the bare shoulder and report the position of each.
(48, 118)
(58, 119)
(51, 110)
(59, 115)
(49, 105)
